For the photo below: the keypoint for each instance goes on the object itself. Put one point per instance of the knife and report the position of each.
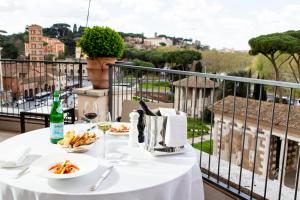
(91, 128)
(101, 179)
(23, 172)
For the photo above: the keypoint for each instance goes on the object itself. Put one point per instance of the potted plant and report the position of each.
(102, 45)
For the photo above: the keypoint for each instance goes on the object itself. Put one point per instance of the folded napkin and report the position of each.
(176, 128)
(15, 157)
(167, 111)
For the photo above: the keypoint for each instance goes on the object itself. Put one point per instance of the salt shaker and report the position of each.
(134, 133)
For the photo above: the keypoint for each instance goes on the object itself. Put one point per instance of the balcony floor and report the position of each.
(6, 134)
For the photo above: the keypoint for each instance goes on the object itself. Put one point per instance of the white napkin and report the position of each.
(15, 157)
(167, 111)
(176, 130)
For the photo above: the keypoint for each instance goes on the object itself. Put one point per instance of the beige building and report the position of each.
(34, 48)
(79, 54)
(193, 94)
(25, 80)
(53, 46)
(38, 45)
(157, 41)
(233, 133)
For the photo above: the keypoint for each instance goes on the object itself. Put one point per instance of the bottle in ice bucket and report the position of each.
(56, 120)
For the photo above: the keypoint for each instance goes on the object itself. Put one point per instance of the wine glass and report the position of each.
(104, 126)
(90, 111)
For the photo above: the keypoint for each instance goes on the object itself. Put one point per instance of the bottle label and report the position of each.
(56, 130)
(59, 109)
(56, 99)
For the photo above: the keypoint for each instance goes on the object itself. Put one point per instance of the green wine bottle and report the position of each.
(56, 120)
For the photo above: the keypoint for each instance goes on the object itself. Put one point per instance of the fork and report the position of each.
(102, 178)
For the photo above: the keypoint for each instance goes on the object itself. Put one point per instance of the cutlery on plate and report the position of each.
(91, 128)
(102, 178)
(23, 172)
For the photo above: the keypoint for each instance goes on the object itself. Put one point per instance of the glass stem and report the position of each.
(104, 145)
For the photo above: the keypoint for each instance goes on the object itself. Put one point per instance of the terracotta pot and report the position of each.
(98, 72)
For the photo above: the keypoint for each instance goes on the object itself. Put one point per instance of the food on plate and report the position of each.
(71, 140)
(65, 167)
(121, 128)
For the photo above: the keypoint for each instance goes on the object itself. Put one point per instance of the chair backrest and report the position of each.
(129, 106)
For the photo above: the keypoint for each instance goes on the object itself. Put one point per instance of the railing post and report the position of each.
(80, 75)
(110, 89)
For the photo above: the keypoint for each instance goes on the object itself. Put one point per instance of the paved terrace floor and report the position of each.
(6, 134)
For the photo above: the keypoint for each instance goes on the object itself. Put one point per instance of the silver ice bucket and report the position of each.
(154, 134)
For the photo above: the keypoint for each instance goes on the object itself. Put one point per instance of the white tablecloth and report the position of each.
(145, 177)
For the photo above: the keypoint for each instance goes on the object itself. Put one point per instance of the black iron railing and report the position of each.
(28, 85)
(247, 130)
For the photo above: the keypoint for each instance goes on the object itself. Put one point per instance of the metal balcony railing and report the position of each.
(247, 130)
(27, 84)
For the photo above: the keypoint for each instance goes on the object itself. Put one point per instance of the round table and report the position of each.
(144, 177)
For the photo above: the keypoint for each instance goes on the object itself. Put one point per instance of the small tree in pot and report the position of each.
(102, 45)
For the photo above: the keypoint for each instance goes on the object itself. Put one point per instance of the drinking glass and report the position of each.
(90, 111)
(104, 126)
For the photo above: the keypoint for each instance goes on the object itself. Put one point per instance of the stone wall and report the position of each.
(232, 145)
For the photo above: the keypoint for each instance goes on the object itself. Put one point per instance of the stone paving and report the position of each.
(6, 134)
(246, 181)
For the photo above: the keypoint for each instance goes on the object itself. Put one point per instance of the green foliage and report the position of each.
(197, 126)
(155, 57)
(273, 46)
(182, 58)
(138, 35)
(162, 44)
(161, 86)
(198, 67)
(179, 59)
(205, 146)
(130, 54)
(138, 98)
(139, 62)
(101, 41)
(217, 61)
(207, 115)
(241, 87)
(49, 57)
(9, 51)
(262, 66)
(256, 91)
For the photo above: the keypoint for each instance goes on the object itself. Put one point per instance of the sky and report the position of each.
(217, 23)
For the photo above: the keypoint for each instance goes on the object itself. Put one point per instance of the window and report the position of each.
(33, 46)
(22, 75)
(33, 38)
(33, 52)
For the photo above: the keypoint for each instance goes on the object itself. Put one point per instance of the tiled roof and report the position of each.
(191, 82)
(280, 114)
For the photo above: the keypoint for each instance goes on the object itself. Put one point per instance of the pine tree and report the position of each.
(257, 91)
(74, 28)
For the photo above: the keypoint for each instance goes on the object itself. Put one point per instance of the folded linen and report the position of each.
(15, 157)
(176, 128)
(167, 111)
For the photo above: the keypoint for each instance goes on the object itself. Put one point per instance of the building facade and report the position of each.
(39, 46)
(197, 93)
(231, 139)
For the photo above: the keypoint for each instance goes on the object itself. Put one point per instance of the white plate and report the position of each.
(86, 165)
(79, 149)
(116, 124)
